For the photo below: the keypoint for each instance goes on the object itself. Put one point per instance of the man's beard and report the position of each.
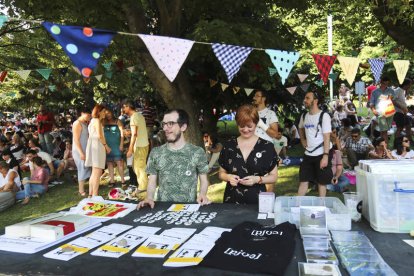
(175, 139)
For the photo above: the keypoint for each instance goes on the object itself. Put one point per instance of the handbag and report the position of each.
(386, 108)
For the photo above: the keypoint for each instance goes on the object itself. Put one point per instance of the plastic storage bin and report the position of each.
(388, 197)
(287, 209)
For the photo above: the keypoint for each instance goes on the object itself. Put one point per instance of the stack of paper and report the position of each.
(100, 208)
(195, 249)
(158, 246)
(125, 242)
(82, 245)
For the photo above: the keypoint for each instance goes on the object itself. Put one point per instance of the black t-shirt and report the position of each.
(261, 160)
(251, 247)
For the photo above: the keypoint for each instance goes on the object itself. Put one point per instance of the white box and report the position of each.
(388, 197)
(22, 229)
(54, 229)
(287, 208)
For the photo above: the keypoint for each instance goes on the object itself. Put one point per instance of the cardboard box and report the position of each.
(56, 228)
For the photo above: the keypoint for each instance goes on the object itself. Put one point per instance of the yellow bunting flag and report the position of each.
(248, 91)
(401, 68)
(224, 86)
(349, 66)
(236, 89)
(213, 82)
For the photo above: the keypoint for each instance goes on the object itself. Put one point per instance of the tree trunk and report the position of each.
(176, 94)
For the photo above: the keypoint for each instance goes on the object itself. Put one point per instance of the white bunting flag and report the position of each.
(291, 89)
(31, 91)
(401, 68)
(131, 69)
(76, 70)
(24, 74)
(168, 52)
(302, 77)
(248, 91)
(349, 66)
(98, 77)
(224, 86)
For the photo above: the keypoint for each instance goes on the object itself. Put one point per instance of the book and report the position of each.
(326, 256)
(314, 269)
(56, 228)
(22, 229)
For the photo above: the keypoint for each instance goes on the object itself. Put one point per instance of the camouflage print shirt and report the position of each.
(177, 171)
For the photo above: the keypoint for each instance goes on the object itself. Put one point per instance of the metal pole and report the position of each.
(330, 53)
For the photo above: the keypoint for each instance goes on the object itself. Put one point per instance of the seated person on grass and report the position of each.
(280, 142)
(9, 185)
(37, 183)
(339, 182)
(380, 151)
(54, 166)
(357, 147)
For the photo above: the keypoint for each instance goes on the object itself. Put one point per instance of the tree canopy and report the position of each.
(286, 25)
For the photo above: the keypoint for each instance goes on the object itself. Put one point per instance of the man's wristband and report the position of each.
(325, 153)
(260, 180)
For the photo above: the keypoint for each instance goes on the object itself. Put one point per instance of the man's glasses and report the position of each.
(168, 124)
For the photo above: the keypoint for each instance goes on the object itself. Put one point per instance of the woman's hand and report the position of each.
(249, 180)
(233, 179)
(108, 149)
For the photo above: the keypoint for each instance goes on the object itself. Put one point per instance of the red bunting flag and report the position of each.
(3, 76)
(324, 64)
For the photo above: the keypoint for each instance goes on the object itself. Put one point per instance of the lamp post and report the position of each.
(330, 53)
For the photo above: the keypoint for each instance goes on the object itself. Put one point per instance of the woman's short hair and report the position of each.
(97, 110)
(377, 141)
(245, 114)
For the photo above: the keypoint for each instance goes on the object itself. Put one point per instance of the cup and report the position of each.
(351, 202)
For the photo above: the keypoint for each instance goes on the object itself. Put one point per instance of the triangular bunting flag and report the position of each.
(52, 88)
(45, 73)
(131, 69)
(98, 77)
(324, 64)
(224, 86)
(63, 71)
(349, 66)
(401, 68)
(31, 91)
(108, 74)
(77, 82)
(231, 57)
(3, 19)
(3, 75)
(248, 91)
(377, 64)
(86, 80)
(76, 70)
(283, 61)
(83, 45)
(319, 83)
(291, 89)
(272, 71)
(333, 76)
(236, 89)
(213, 82)
(302, 77)
(305, 87)
(107, 66)
(24, 74)
(168, 52)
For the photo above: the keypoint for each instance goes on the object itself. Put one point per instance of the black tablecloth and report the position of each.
(395, 252)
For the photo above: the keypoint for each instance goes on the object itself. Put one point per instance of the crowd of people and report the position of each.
(332, 140)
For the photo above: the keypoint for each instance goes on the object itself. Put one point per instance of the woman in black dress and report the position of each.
(247, 162)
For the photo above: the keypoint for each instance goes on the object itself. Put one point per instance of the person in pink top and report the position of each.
(37, 184)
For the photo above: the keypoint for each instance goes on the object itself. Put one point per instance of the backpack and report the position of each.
(319, 121)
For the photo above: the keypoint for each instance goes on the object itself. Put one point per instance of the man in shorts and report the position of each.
(314, 130)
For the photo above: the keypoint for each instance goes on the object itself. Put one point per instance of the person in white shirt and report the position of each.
(280, 142)
(400, 117)
(315, 138)
(402, 148)
(268, 123)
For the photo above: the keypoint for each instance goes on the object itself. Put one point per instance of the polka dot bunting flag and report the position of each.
(83, 45)
(283, 61)
(168, 52)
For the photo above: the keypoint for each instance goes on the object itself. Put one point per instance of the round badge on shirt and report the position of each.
(188, 173)
(259, 155)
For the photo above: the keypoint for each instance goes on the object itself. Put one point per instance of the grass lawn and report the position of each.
(65, 195)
